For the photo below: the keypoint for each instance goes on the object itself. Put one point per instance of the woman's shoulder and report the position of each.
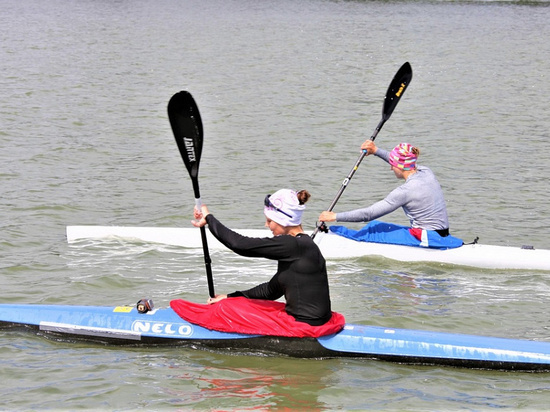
(292, 239)
(423, 172)
(298, 241)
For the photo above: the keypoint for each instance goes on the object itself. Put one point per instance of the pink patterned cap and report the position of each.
(403, 157)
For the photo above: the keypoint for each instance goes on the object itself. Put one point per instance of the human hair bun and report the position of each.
(303, 196)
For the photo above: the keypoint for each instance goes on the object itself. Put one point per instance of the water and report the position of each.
(287, 92)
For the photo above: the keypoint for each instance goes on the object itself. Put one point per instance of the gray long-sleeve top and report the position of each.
(420, 197)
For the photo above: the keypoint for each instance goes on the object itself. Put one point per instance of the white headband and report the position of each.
(284, 208)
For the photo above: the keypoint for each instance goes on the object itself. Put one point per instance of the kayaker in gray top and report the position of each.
(420, 196)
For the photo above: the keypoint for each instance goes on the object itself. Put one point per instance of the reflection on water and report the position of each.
(274, 387)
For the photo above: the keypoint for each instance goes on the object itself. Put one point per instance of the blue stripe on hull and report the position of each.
(436, 345)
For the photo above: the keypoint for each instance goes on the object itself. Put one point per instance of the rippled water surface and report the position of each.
(287, 92)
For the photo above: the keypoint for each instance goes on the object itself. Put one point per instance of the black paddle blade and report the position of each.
(396, 89)
(186, 123)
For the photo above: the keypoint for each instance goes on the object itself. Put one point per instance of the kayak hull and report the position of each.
(124, 325)
(336, 247)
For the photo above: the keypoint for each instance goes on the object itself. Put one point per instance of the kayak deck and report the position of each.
(124, 325)
(336, 247)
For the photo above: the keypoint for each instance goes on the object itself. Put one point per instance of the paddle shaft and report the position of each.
(353, 170)
(394, 93)
(206, 252)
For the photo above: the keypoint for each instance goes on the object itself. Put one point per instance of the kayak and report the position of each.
(125, 325)
(334, 246)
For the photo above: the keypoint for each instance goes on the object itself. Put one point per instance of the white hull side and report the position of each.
(335, 247)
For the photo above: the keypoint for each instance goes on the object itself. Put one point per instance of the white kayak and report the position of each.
(335, 247)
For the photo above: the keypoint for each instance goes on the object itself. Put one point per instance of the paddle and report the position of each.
(396, 89)
(186, 123)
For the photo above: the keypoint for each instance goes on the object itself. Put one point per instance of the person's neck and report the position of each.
(295, 230)
(408, 173)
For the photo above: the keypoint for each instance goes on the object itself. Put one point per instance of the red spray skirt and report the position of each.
(253, 317)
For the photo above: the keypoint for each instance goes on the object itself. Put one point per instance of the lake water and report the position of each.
(287, 91)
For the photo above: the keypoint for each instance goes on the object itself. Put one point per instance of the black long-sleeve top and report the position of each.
(301, 273)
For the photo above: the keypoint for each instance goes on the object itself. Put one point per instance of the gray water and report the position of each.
(287, 92)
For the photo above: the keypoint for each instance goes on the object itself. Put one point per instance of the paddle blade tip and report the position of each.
(397, 88)
(186, 123)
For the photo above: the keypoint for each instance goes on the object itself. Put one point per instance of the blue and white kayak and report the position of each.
(336, 247)
(125, 325)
